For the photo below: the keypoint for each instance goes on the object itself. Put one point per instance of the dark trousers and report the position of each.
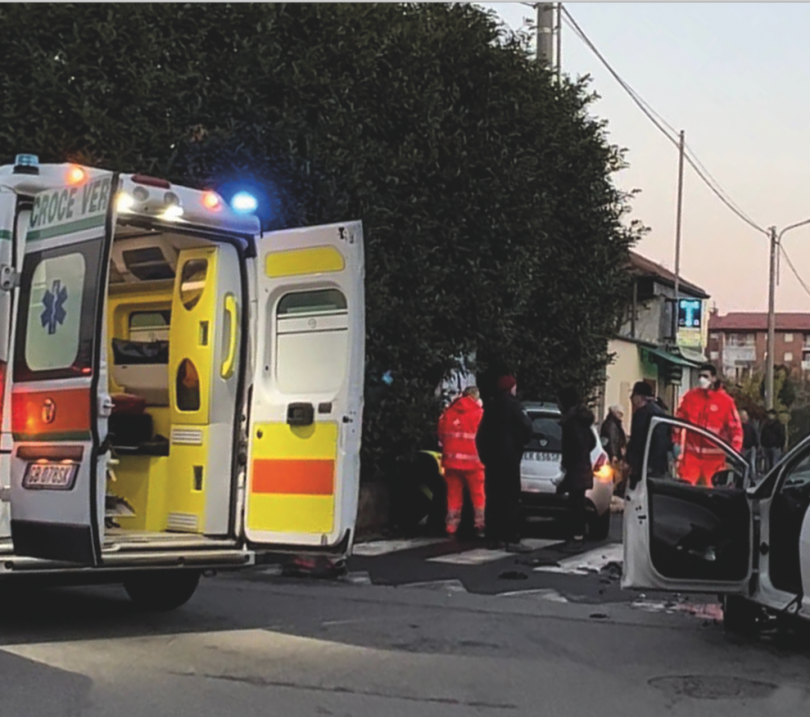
(576, 502)
(502, 485)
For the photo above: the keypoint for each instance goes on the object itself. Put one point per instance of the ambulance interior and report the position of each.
(172, 354)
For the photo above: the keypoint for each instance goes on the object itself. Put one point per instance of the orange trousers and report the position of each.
(698, 470)
(455, 480)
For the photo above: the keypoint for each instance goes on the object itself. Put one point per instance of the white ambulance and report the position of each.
(181, 391)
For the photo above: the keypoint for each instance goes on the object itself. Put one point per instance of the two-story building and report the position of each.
(649, 346)
(738, 343)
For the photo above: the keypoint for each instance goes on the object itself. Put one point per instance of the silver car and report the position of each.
(541, 472)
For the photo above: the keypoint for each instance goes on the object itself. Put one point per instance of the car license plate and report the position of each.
(540, 456)
(50, 476)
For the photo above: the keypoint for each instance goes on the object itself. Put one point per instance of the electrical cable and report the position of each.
(651, 114)
(794, 270)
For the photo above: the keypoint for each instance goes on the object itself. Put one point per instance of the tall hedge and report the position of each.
(492, 223)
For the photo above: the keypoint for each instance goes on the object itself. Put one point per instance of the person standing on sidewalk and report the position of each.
(645, 408)
(503, 434)
(458, 427)
(578, 440)
(711, 408)
(750, 441)
(772, 439)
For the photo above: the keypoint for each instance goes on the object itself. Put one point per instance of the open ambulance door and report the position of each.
(60, 399)
(684, 537)
(307, 397)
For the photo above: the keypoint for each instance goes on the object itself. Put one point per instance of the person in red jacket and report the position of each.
(709, 407)
(458, 427)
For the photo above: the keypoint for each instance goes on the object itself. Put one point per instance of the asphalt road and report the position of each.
(259, 644)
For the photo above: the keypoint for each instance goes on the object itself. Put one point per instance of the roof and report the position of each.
(643, 266)
(758, 321)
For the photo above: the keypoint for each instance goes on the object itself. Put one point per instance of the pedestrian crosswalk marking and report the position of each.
(471, 557)
(585, 563)
(479, 556)
(384, 547)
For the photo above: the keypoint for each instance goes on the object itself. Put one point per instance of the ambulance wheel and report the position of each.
(740, 615)
(162, 590)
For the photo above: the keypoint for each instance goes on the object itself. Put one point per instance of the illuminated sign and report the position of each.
(690, 313)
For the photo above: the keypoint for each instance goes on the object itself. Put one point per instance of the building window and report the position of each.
(788, 357)
(714, 336)
(742, 339)
(714, 355)
(788, 338)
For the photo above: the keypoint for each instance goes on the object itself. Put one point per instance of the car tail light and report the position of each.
(602, 470)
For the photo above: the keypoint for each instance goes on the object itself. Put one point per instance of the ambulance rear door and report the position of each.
(307, 394)
(60, 400)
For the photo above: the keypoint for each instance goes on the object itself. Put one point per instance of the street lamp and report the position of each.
(771, 350)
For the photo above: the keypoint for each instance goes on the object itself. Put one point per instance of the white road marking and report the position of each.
(376, 548)
(471, 557)
(591, 562)
(479, 556)
(542, 593)
(452, 586)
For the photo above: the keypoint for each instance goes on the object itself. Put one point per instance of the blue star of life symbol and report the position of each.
(54, 303)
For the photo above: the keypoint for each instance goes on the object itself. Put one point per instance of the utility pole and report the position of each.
(545, 33)
(558, 58)
(776, 242)
(770, 351)
(678, 216)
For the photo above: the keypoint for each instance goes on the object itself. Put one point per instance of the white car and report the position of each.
(541, 472)
(745, 539)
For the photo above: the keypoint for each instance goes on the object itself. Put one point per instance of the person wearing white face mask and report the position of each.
(710, 407)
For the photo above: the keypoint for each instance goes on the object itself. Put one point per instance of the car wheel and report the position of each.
(599, 525)
(740, 615)
(162, 590)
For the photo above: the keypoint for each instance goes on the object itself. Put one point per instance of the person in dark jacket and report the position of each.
(613, 431)
(645, 408)
(502, 435)
(750, 441)
(578, 440)
(772, 439)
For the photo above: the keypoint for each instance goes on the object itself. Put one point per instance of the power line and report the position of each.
(651, 114)
(793, 269)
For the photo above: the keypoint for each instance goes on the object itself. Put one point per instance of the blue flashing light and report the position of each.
(244, 203)
(26, 160)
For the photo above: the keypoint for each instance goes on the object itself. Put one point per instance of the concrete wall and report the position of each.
(626, 369)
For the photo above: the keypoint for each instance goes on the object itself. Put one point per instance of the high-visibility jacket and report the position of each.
(458, 426)
(716, 412)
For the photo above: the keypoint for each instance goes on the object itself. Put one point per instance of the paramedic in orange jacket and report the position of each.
(458, 426)
(709, 407)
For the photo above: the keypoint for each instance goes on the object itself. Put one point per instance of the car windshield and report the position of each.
(546, 433)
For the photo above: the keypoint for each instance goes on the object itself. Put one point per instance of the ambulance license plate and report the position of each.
(50, 476)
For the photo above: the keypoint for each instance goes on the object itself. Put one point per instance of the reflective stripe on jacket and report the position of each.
(458, 427)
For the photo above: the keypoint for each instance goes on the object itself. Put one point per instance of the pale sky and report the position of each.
(736, 78)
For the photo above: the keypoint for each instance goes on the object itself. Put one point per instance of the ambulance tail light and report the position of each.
(151, 181)
(76, 175)
(212, 201)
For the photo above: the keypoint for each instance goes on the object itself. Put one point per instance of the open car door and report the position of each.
(307, 396)
(688, 524)
(59, 390)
